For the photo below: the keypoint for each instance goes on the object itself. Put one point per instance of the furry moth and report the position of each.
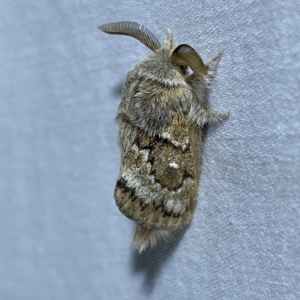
(161, 118)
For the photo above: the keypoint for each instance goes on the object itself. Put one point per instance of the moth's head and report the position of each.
(182, 57)
(180, 65)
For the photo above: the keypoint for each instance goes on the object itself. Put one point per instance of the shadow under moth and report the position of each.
(161, 118)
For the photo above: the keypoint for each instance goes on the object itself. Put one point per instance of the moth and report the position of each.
(161, 119)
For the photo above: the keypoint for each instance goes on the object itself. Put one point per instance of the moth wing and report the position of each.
(158, 183)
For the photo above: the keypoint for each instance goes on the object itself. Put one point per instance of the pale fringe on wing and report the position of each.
(144, 238)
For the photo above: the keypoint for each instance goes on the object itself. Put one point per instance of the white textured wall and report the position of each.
(62, 237)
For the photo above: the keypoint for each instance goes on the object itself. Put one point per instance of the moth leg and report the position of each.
(213, 64)
(210, 115)
(201, 115)
(214, 116)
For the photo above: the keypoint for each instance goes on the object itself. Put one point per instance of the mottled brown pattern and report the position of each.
(162, 152)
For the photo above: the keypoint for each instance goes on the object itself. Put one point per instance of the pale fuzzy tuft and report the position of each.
(144, 238)
(169, 43)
